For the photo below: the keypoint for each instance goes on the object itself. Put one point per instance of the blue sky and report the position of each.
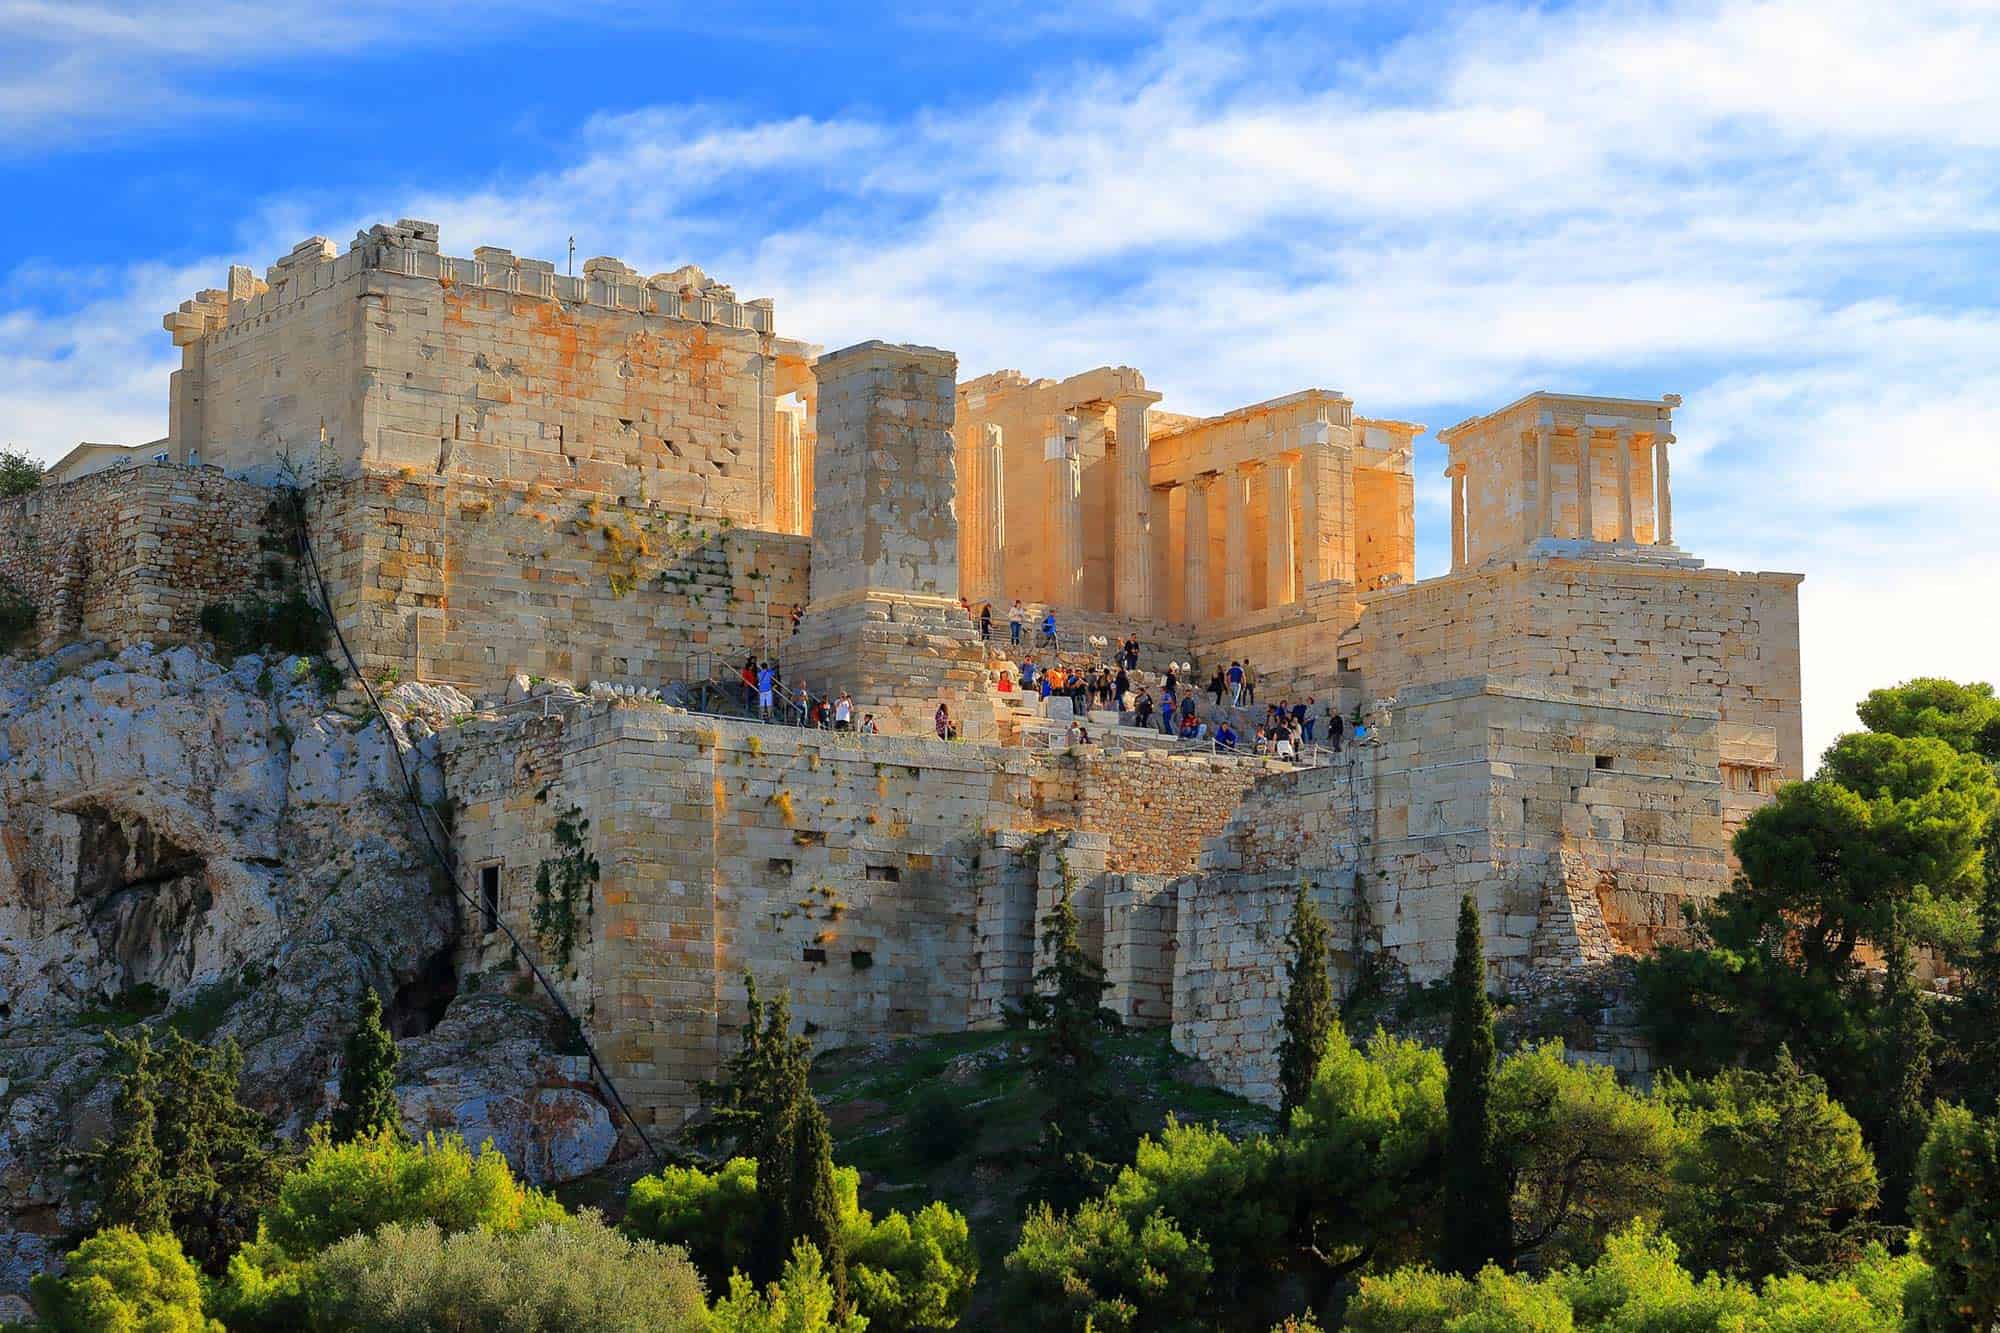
(1786, 212)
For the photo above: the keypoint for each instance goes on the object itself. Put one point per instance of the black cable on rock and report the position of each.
(440, 848)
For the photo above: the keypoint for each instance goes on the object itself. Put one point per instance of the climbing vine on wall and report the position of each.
(563, 887)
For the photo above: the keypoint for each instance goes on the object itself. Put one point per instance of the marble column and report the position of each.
(1457, 474)
(1545, 500)
(1236, 543)
(1586, 487)
(1627, 532)
(791, 478)
(987, 461)
(1162, 554)
(1194, 586)
(1663, 500)
(1132, 556)
(1280, 553)
(1316, 466)
(1065, 580)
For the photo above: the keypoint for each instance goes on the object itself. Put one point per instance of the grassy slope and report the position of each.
(869, 1091)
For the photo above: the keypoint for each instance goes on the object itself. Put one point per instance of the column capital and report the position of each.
(1458, 469)
(1201, 481)
(1129, 398)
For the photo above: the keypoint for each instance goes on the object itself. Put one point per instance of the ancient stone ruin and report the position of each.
(514, 476)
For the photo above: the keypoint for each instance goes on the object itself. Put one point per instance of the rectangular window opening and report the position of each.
(892, 874)
(813, 955)
(1604, 761)
(489, 898)
(779, 865)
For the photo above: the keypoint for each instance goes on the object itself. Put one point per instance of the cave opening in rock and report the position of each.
(420, 1002)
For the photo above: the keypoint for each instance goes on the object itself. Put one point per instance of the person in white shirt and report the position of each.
(843, 712)
(1016, 618)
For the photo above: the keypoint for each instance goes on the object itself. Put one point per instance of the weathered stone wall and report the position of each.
(470, 582)
(1580, 826)
(838, 867)
(1155, 808)
(133, 554)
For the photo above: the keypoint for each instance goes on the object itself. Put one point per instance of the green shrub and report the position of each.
(583, 1277)
(903, 1272)
(17, 617)
(354, 1188)
(940, 1129)
(287, 623)
(119, 1280)
(1096, 1271)
(800, 1301)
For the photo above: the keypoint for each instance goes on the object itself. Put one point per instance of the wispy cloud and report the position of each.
(1784, 210)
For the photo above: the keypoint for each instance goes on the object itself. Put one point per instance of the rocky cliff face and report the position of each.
(219, 845)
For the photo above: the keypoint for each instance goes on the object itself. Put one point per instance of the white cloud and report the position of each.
(1783, 210)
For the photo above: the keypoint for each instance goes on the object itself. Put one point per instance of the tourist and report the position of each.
(1285, 750)
(843, 712)
(1079, 701)
(1046, 689)
(986, 621)
(747, 677)
(766, 683)
(1015, 619)
(797, 615)
(1235, 684)
(1049, 628)
(1249, 683)
(1004, 680)
(1336, 727)
(946, 729)
(1131, 654)
(1074, 734)
(801, 706)
(1173, 679)
(1142, 709)
(1216, 687)
(1225, 736)
(1306, 719)
(868, 727)
(1120, 687)
(820, 714)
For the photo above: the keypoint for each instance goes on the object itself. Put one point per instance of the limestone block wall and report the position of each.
(1154, 808)
(1139, 947)
(470, 582)
(132, 554)
(876, 879)
(1712, 637)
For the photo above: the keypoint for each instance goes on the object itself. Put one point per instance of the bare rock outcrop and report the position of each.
(217, 848)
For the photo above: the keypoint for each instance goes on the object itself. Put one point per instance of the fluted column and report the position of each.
(1459, 515)
(1195, 575)
(1235, 543)
(1663, 499)
(1132, 567)
(988, 462)
(1162, 554)
(1586, 487)
(1316, 466)
(1280, 553)
(1627, 531)
(1065, 514)
(1545, 500)
(791, 475)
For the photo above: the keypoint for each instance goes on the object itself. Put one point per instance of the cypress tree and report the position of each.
(814, 1206)
(1309, 1008)
(1906, 1077)
(135, 1187)
(1478, 1226)
(368, 1077)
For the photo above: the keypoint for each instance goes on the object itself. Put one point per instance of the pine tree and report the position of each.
(1975, 1019)
(368, 1077)
(814, 1205)
(1310, 1014)
(1478, 1223)
(218, 1155)
(135, 1187)
(1905, 1078)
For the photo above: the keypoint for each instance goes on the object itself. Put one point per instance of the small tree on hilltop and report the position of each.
(368, 1077)
(19, 473)
(1310, 1013)
(1956, 1209)
(1477, 1217)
